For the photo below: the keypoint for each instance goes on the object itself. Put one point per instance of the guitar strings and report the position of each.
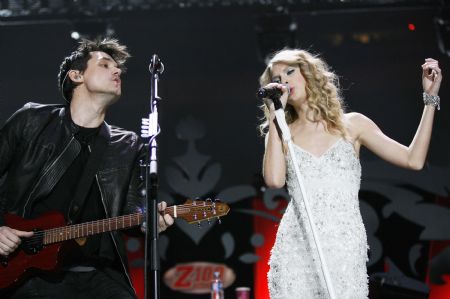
(57, 232)
(60, 233)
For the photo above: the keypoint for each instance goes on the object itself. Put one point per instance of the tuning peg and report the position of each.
(214, 208)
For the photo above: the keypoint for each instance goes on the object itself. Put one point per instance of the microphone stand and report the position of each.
(150, 129)
(274, 96)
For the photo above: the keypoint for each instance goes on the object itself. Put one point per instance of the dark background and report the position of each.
(213, 58)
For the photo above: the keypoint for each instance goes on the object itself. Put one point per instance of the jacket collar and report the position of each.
(70, 126)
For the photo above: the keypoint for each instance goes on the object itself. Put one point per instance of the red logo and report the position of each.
(196, 277)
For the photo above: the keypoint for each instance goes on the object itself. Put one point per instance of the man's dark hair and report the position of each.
(78, 59)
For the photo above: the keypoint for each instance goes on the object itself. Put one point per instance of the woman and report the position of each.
(326, 146)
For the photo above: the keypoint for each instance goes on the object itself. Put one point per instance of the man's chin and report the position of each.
(111, 100)
(115, 99)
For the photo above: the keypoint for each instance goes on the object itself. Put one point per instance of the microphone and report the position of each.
(271, 93)
(156, 66)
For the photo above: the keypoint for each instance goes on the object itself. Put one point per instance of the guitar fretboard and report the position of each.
(189, 212)
(75, 231)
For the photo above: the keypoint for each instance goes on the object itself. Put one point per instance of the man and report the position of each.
(66, 158)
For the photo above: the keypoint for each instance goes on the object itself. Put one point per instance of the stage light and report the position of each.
(363, 38)
(92, 28)
(75, 35)
(411, 27)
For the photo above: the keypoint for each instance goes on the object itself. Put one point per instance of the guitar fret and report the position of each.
(190, 211)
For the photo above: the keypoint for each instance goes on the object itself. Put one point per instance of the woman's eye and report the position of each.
(276, 80)
(289, 72)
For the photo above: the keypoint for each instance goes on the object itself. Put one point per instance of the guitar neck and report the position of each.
(64, 233)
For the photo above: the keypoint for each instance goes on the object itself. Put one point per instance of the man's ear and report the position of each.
(75, 76)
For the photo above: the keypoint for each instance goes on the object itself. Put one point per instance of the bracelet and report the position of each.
(434, 101)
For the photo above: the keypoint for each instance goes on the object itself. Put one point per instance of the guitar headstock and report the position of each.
(194, 211)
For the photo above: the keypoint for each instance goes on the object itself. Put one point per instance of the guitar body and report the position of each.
(45, 250)
(20, 263)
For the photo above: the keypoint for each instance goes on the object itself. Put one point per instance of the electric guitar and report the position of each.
(42, 251)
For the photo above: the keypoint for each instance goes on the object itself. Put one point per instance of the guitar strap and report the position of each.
(87, 178)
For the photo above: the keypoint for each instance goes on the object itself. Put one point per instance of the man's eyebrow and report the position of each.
(107, 59)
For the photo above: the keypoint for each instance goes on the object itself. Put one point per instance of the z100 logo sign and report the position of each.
(196, 277)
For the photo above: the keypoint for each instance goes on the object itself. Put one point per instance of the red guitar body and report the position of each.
(19, 264)
(44, 250)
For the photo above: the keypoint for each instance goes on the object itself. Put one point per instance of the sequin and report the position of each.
(332, 182)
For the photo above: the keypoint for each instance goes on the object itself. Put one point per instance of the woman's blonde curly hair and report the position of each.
(322, 91)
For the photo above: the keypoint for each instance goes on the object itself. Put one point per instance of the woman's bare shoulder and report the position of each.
(357, 121)
(355, 124)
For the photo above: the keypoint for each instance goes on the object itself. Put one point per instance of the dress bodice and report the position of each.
(331, 184)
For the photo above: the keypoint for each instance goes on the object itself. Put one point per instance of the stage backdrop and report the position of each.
(209, 145)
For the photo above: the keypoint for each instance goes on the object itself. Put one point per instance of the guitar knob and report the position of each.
(218, 219)
(209, 221)
(4, 261)
(199, 225)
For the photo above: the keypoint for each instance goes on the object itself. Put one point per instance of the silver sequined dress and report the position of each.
(332, 183)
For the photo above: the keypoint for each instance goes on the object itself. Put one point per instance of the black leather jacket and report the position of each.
(34, 137)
